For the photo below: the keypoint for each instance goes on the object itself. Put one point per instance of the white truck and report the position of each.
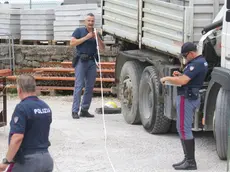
(149, 34)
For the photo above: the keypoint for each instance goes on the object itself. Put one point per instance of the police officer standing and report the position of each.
(85, 67)
(188, 100)
(29, 132)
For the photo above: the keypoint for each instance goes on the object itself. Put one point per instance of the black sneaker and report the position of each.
(75, 115)
(86, 114)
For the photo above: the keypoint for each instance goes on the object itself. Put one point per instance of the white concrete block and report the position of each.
(12, 31)
(12, 6)
(37, 12)
(37, 17)
(76, 7)
(6, 21)
(63, 28)
(36, 37)
(10, 11)
(65, 33)
(76, 17)
(36, 22)
(67, 23)
(10, 21)
(10, 16)
(15, 36)
(37, 27)
(36, 32)
(62, 38)
(80, 13)
(73, 17)
(8, 26)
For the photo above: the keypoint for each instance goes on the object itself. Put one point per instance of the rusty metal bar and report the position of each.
(103, 64)
(60, 78)
(67, 70)
(49, 88)
(5, 72)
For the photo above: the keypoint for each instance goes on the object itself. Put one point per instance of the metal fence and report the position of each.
(7, 56)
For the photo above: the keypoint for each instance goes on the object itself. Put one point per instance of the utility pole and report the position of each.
(30, 4)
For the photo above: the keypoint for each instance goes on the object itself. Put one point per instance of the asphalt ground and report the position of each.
(79, 145)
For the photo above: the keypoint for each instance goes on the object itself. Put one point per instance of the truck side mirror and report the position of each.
(228, 4)
(228, 16)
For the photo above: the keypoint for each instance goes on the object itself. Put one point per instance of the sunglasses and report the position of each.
(185, 54)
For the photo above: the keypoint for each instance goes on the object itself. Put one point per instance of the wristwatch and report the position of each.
(5, 161)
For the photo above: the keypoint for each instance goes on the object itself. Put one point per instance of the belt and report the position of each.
(34, 151)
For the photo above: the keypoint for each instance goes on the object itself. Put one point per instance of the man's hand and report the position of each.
(176, 73)
(3, 167)
(163, 80)
(90, 35)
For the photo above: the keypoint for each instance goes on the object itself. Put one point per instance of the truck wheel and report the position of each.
(221, 123)
(128, 91)
(151, 109)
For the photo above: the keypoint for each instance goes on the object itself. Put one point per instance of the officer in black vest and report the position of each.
(188, 100)
(29, 132)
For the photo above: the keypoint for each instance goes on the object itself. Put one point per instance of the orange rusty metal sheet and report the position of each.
(5, 72)
(67, 70)
(60, 78)
(49, 88)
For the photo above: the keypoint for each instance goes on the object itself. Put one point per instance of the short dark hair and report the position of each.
(90, 14)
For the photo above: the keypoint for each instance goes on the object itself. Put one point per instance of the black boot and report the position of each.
(185, 155)
(190, 162)
(75, 115)
(86, 114)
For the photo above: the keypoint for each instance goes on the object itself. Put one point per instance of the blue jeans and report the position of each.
(185, 111)
(85, 75)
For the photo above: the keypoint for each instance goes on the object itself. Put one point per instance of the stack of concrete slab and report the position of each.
(82, 2)
(37, 24)
(70, 17)
(9, 22)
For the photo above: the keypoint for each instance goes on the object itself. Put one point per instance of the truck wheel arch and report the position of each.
(220, 79)
(210, 105)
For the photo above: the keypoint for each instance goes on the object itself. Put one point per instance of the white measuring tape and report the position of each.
(102, 101)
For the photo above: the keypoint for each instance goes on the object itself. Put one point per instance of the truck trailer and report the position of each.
(149, 35)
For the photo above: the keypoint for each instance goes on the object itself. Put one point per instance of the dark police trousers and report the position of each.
(36, 162)
(85, 75)
(185, 111)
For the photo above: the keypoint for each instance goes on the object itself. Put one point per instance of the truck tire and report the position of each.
(221, 123)
(151, 109)
(128, 91)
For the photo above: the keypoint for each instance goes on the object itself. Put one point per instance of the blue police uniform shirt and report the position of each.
(196, 70)
(32, 117)
(89, 46)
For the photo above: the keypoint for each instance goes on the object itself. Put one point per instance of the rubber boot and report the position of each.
(190, 162)
(185, 154)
